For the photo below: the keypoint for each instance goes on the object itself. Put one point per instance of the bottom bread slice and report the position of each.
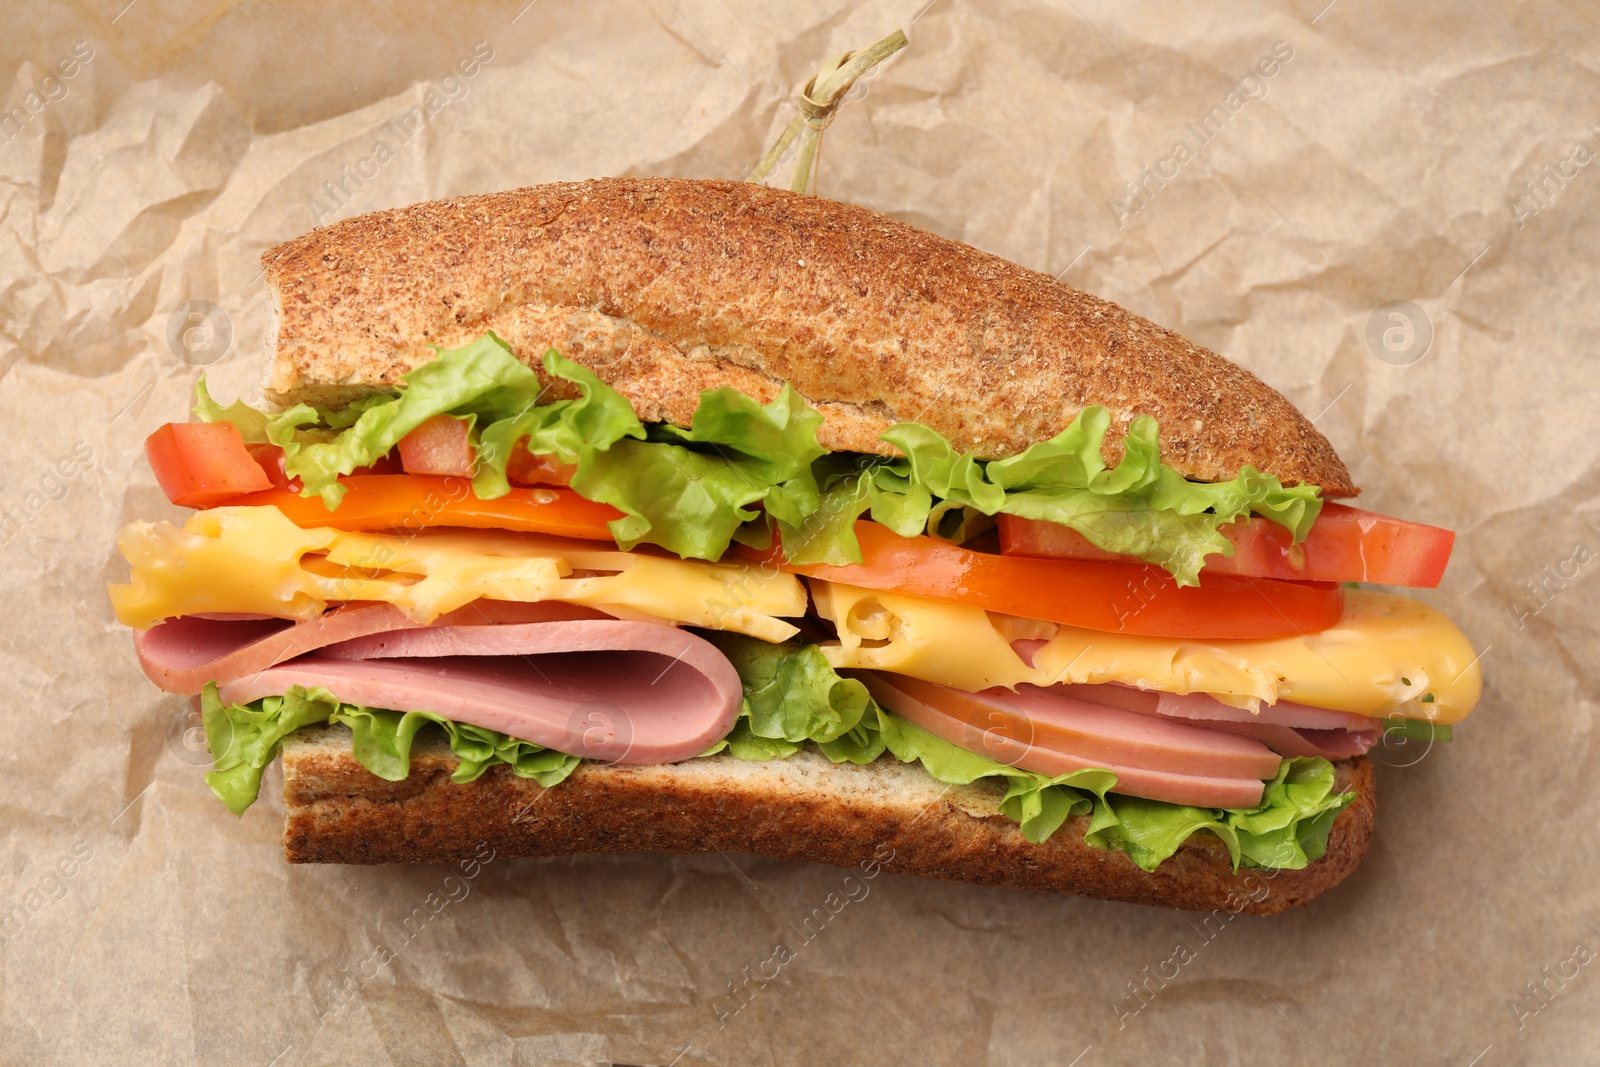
(804, 807)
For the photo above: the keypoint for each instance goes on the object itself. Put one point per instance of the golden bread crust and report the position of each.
(666, 287)
(800, 808)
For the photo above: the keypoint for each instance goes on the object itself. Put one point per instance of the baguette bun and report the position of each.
(800, 808)
(666, 287)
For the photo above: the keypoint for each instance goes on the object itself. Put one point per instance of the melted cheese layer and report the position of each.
(253, 559)
(1385, 654)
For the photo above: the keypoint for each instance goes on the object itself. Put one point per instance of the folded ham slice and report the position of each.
(620, 692)
(568, 678)
(181, 655)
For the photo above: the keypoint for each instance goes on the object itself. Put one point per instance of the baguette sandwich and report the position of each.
(683, 516)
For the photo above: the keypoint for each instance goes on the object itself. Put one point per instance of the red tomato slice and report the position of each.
(525, 468)
(412, 502)
(441, 446)
(270, 458)
(438, 446)
(1118, 597)
(1346, 544)
(198, 464)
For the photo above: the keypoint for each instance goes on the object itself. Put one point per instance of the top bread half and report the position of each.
(666, 287)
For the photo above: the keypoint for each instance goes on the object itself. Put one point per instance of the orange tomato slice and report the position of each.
(413, 501)
(1116, 597)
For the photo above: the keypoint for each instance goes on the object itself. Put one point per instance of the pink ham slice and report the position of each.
(1288, 741)
(181, 655)
(604, 689)
(1207, 707)
(1288, 729)
(1095, 731)
(1050, 733)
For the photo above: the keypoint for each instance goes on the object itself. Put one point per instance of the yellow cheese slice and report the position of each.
(945, 643)
(1382, 658)
(255, 560)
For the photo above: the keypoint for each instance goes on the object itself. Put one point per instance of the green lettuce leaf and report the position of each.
(572, 430)
(1140, 507)
(252, 424)
(792, 695)
(1287, 830)
(243, 739)
(690, 490)
(479, 749)
(827, 534)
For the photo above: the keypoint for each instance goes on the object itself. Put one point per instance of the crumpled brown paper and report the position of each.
(1386, 211)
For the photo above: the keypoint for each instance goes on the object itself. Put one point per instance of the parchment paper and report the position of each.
(1443, 158)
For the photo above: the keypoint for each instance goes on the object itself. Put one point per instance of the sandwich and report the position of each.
(680, 516)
